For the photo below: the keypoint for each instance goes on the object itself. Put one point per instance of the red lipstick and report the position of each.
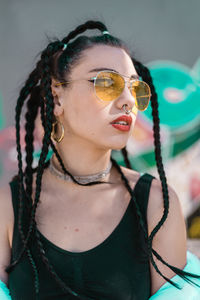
(122, 123)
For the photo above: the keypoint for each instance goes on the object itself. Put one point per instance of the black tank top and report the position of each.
(116, 269)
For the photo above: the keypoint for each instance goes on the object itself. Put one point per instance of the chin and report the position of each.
(118, 148)
(119, 143)
(113, 142)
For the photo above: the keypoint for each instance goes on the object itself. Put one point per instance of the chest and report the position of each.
(116, 269)
(79, 223)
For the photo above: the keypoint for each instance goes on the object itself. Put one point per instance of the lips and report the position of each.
(124, 118)
(121, 126)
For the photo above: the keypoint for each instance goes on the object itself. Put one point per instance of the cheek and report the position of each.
(83, 111)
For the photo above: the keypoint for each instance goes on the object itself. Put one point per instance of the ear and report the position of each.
(57, 93)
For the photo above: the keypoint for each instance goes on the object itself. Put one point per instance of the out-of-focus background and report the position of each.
(162, 34)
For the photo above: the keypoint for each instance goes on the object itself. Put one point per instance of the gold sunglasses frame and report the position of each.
(93, 79)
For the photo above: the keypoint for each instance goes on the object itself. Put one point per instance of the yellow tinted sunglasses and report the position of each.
(109, 85)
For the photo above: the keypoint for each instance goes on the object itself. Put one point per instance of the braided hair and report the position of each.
(56, 61)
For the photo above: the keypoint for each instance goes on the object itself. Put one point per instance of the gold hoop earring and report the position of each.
(53, 135)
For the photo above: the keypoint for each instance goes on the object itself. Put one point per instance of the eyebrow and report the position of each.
(102, 69)
(134, 76)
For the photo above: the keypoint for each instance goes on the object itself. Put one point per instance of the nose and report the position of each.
(126, 98)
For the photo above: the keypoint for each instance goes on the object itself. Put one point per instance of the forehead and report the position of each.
(103, 56)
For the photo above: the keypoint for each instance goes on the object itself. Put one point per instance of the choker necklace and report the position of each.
(82, 178)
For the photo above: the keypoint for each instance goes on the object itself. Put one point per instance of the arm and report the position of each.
(188, 291)
(6, 221)
(170, 240)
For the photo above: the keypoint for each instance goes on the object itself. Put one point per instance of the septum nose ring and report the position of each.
(126, 111)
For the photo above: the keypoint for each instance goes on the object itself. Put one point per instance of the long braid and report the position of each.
(46, 84)
(47, 123)
(28, 169)
(26, 90)
(126, 160)
(80, 29)
(179, 272)
(39, 242)
(146, 76)
(50, 268)
(132, 195)
(29, 85)
(32, 111)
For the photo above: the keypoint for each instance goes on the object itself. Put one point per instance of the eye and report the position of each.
(104, 82)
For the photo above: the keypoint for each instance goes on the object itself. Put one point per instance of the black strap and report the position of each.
(141, 192)
(16, 240)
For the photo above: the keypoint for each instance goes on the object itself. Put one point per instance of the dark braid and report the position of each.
(40, 247)
(126, 160)
(131, 192)
(47, 123)
(150, 250)
(32, 111)
(178, 271)
(46, 83)
(80, 29)
(146, 76)
(39, 242)
(49, 112)
(51, 268)
(30, 83)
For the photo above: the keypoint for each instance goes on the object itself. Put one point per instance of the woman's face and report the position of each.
(85, 118)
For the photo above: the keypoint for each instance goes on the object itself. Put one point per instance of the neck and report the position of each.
(82, 161)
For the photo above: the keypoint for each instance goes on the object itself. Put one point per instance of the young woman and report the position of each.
(79, 226)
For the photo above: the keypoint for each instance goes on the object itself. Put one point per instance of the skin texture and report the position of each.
(82, 219)
(88, 133)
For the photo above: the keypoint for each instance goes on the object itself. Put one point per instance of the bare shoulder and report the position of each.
(131, 175)
(6, 208)
(156, 206)
(170, 240)
(6, 224)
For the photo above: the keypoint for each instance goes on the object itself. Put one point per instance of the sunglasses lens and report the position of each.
(108, 86)
(141, 93)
